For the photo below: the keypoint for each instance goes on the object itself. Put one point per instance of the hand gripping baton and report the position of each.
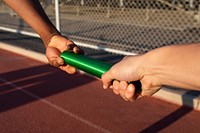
(90, 65)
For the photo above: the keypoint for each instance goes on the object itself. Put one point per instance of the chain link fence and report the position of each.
(135, 26)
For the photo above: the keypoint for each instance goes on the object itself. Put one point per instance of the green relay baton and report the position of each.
(90, 65)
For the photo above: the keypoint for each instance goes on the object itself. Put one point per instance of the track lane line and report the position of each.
(57, 107)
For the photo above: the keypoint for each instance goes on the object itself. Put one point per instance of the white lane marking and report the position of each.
(57, 107)
(14, 89)
(22, 79)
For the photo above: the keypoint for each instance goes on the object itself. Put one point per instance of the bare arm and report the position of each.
(177, 65)
(32, 12)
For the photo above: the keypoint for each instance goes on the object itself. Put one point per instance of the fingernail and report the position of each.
(130, 89)
(123, 86)
(105, 87)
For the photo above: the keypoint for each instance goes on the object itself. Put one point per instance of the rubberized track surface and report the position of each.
(36, 98)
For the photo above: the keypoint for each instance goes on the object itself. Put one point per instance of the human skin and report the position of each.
(175, 65)
(33, 14)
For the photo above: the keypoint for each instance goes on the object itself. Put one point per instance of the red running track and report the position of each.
(38, 98)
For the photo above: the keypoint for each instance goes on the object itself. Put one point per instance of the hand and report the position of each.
(131, 68)
(55, 47)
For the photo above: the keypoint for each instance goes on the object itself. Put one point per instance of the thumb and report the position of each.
(53, 55)
(107, 79)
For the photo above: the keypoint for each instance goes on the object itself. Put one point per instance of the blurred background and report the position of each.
(119, 26)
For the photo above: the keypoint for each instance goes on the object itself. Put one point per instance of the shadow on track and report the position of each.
(42, 81)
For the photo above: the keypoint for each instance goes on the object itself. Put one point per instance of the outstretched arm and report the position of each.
(177, 65)
(32, 12)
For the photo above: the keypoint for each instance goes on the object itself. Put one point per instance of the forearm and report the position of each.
(32, 12)
(177, 65)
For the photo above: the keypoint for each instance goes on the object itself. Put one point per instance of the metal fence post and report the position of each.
(121, 3)
(198, 15)
(108, 9)
(82, 2)
(57, 15)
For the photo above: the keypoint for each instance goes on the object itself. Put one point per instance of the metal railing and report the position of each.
(119, 26)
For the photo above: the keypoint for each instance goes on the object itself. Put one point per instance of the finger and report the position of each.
(78, 50)
(116, 92)
(60, 61)
(73, 47)
(107, 79)
(56, 61)
(69, 69)
(123, 86)
(116, 87)
(70, 46)
(52, 55)
(130, 92)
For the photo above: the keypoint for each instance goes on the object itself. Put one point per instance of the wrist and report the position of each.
(48, 37)
(154, 66)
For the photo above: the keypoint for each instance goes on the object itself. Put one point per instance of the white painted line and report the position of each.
(28, 78)
(57, 107)
(14, 89)
(19, 31)
(76, 42)
(28, 53)
(103, 48)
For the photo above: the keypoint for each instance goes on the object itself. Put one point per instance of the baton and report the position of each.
(91, 66)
